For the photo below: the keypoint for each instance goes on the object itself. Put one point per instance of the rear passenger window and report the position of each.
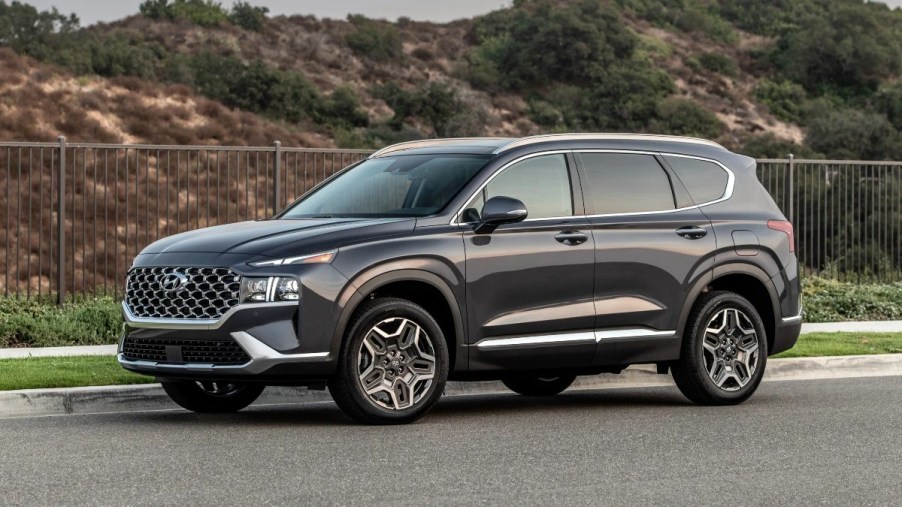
(626, 183)
(542, 183)
(705, 181)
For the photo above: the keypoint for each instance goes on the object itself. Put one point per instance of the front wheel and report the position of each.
(393, 365)
(539, 386)
(211, 396)
(724, 351)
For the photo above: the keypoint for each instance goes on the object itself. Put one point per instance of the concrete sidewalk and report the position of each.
(94, 400)
(89, 350)
(888, 326)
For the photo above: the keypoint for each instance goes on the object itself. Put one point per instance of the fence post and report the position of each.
(790, 188)
(276, 187)
(61, 226)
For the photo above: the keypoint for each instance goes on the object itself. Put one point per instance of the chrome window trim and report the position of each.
(499, 171)
(728, 191)
(208, 324)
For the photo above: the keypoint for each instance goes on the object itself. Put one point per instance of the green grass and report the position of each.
(845, 344)
(45, 372)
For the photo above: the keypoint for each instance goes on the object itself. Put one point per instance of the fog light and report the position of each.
(287, 290)
(254, 289)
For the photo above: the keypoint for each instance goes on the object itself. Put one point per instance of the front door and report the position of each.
(529, 284)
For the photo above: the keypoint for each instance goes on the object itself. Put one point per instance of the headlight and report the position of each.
(273, 288)
(319, 258)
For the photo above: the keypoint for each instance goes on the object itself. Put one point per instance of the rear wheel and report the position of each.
(539, 386)
(724, 351)
(393, 365)
(212, 396)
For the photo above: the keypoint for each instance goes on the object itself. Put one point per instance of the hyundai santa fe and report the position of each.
(531, 261)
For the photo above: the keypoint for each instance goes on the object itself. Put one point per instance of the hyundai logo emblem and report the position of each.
(173, 282)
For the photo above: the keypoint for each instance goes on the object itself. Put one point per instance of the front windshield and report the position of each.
(398, 186)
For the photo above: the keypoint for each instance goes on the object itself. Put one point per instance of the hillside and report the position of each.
(817, 77)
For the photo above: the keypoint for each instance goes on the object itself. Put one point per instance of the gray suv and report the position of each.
(530, 261)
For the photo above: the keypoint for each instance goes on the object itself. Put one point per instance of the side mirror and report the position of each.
(500, 210)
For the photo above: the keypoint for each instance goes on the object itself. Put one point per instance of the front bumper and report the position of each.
(267, 332)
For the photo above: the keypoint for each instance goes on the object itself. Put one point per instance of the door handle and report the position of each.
(692, 232)
(571, 238)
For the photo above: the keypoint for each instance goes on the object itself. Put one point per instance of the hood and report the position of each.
(281, 238)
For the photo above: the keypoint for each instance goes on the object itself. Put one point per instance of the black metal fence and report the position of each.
(847, 214)
(75, 214)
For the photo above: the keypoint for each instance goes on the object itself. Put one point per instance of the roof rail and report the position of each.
(410, 145)
(604, 137)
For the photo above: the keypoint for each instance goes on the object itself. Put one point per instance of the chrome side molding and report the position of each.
(579, 337)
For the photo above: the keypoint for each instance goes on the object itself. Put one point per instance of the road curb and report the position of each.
(105, 399)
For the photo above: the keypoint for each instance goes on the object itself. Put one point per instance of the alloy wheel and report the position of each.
(396, 364)
(730, 349)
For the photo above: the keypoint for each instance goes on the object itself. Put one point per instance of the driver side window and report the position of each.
(542, 183)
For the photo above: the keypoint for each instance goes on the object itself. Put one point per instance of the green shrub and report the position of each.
(378, 41)
(718, 62)
(264, 89)
(888, 101)
(31, 32)
(784, 99)
(841, 47)
(540, 42)
(690, 16)
(200, 12)
(435, 103)
(342, 109)
(832, 301)
(768, 146)
(698, 19)
(39, 323)
(854, 134)
(248, 16)
(683, 117)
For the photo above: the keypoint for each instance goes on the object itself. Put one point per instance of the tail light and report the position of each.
(786, 227)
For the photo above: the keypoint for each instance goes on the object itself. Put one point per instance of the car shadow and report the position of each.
(449, 407)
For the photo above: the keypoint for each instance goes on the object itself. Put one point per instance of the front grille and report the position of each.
(221, 352)
(199, 293)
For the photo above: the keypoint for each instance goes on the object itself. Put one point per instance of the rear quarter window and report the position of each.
(705, 181)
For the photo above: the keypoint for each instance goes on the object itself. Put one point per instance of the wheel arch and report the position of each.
(422, 287)
(747, 280)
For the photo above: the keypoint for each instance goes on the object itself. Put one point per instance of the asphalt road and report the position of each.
(836, 442)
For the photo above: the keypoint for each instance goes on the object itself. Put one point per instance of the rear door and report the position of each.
(530, 284)
(651, 244)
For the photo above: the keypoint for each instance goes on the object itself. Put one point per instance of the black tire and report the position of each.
(204, 398)
(691, 371)
(346, 386)
(538, 386)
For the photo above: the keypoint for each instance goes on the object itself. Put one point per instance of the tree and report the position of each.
(854, 134)
(544, 42)
(845, 47)
(248, 16)
(29, 31)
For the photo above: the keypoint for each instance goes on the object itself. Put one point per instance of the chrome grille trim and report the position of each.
(206, 294)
